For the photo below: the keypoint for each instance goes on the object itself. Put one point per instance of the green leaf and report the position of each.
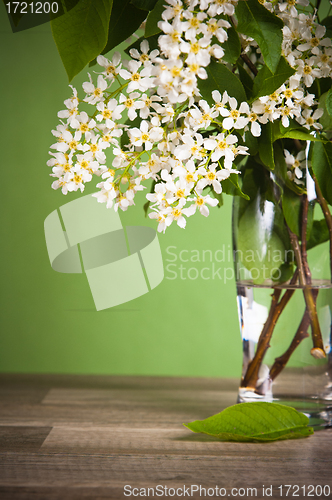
(81, 33)
(321, 164)
(265, 28)
(265, 146)
(251, 142)
(319, 234)
(220, 78)
(144, 4)
(284, 273)
(325, 102)
(217, 196)
(147, 204)
(231, 186)
(232, 46)
(152, 40)
(328, 102)
(292, 209)
(327, 22)
(293, 131)
(125, 20)
(253, 240)
(124, 139)
(151, 27)
(258, 421)
(246, 80)
(266, 82)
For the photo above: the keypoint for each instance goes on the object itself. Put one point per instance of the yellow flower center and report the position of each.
(175, 36)
(128, 103)
(84, 127)
(107, 113)
(145, 137)
(97, 92)
(288, 93)
(194, 22)
(307, 70)
(175, 71)
(135, 77)
(211, 176)
(93, 148)
(195, 48)
(73, 144)
(77, 179)
(200, 202)
(194, 68)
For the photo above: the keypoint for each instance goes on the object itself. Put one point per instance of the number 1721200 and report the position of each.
(32, 7)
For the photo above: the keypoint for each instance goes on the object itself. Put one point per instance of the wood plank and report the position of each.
(19, 438)
(72, 437)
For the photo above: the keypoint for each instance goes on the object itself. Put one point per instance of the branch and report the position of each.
(301, 334)
(249, 63)
(251, 376)
(318, 347)
(305, 208)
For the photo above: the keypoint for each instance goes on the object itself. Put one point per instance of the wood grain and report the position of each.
(86, 437)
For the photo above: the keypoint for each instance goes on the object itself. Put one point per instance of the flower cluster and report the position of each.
(149, 112)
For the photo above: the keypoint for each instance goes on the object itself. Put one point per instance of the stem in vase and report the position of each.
(318, 347)
(250, 379)
(301, 334)
(305, 208)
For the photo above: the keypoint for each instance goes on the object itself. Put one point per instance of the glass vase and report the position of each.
(284, 296)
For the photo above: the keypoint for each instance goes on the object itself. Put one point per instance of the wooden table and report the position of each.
(86, 437)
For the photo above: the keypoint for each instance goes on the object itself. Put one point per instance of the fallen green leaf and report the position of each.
(258, 421)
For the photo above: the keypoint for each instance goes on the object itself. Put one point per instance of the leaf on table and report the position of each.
(257, 421)
(81, 33)
(264, 27)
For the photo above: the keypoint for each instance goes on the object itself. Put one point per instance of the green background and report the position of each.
(185, 327)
